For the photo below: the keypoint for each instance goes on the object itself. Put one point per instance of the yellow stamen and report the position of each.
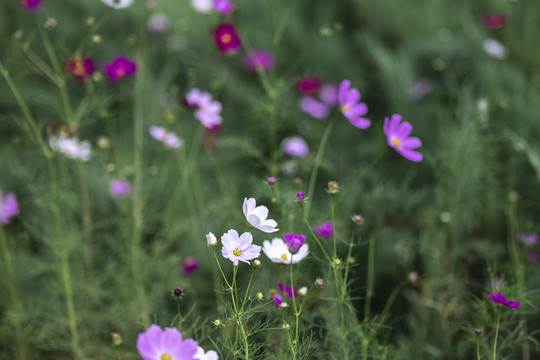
(236, 252)
(226, 38)
(166, 357)
(396, 141)
(284, 256)
(344, 108)
(78, 69)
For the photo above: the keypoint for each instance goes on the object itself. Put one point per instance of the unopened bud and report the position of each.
(257, 263)
(303, 290)
(333, 187)
(260, 296)
(116, 339)
(319, 282)
(216, 322)
(211, 239)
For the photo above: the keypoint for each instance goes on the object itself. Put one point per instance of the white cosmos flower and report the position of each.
(204, 6)
(201, 355)
(118, 4)
(278, 252)
(239, 247)
(71, 147)
(256, 216)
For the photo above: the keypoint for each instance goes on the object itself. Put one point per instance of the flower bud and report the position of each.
(211, 239)
(357, 219)
(216, 322)
(300, 197)
(271, 180)
(319, 282)
(333, 187)
(50, 23)
(260, 296)
(283, 305)
(257, 263)
(116, 339)
(303, 290)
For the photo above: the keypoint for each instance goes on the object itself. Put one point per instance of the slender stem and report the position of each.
(220, 269)
(294, 344)
(234, 294)
(12, 288)
(496, 335)
(369, 290)
(477, 349)
(318, 159)
(179, 315)
(92, 31)
(315, 237)
(86, 220)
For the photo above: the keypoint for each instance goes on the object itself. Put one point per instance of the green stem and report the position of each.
(496, 335)
(477, 349)
(179, 315)
(294, 344)
(234, 294)
(86, 219)
(369, 290)
(12, 288)
(318, 160)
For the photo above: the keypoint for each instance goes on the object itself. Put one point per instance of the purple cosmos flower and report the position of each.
(208, 111)
(295, 146)
(168, 138)
(30, 5)
(287, 290)
(325, 230)
(227, 39)
(328, 93)
(261, 59)
(8, 207)
(501, 299)
(157, 344)
(271, 180)
(239, 247)
(81, 68)
(190, 265)
(494, 21)
(278, 299)
(119, 68)
(224, 7)
(308, 85)
(319, 282)
(120, 188)
(420, 89)
(534, 256)
(316, 109)
(351, 108)
(529, 239)
(300, 197)
(294, 242)
(397, 135)
(157, 23)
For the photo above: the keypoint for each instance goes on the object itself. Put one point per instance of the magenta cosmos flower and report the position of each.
(351, 108)
(295, 146)
(501, 299)
(120, 68)
(190, 265)
(227, 39)
(120, 188)
(325, 230)
(8, 207)
(494, 21)
(294, 242)
(239, 248)
(208, 111)
(308, 85)
(81, 68)
(259, 59)
(168, 344)
(224, 7)
(397, 135)
(31, 5)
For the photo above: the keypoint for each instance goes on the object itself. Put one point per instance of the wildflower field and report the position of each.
(277, 179)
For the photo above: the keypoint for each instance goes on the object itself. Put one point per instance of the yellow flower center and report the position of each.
(344, 108)
(396, 141)
(78, 69)
(236, 252)
(166, 357)
(284, 256)
(226, 38)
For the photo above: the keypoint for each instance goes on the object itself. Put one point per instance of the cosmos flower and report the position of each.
(287, 290)
(190, 265)
(70, 147)
(397, 135)
(308, 85)
(529, 239)
(157, 344)
(203, 6)
(314, 108)
(120, 188)
(224, 7)
(30, 5)
(495, 21)
(208, 111)
(211, 239)
(325, 230)
(237, 248)
(294, 242)
(209, 355)
(256, 216)
(295, 146)
(118, 4)
(81, 68)
(8, 207)
(157, 23)
(350, 106)
(259, 59)
(168, 138)
(278, 252)
(495, 49)
(227, 39)
(501, 299)
(119, 68)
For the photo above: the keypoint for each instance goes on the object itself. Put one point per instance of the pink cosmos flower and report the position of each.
(224, 7)
(325, 230)
(157, 344)
(239, 248)
(190, 265)
(208, 111)
(351, 108)
(168, 138)
(501, 299)
(314, 108)
(120, 68)
(295, 146)
(8, 207)
(81, 68)
(397, 135)
(495, 21)
(287, 290)
(30, 5)
(120, 188)
(328, 93)
(294, 242)
(278, 299)
(259, 59)
(227, 39)
(308, 85)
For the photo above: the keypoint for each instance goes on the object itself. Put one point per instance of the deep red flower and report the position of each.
(308, 85)
(31, 5)
(227, 39)
(81, 68)
(495, 21)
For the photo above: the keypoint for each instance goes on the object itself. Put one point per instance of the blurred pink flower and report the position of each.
(119, 68)
(325, 230)
(224, 7)
(157, 344)
(495, 21)
(308, 85)
(208, 111)
(120, 188)
(259, 59)
(190, 265)
(30, 5)
(316, 109)
(8, 207)
(529, 239)
(397, 135)
(227, 39)
(350, 106)
(295, 146)
(81, 68)
(168, 138)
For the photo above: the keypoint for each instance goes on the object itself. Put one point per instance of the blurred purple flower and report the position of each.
(120, 68)
(295, 146)
(314, 108)
(495, 21)
(30, 5)
(534, 256)
(529, 239)
(308, 85)
(227, 39)
(287, 290)
(157, 23)
(190, 265)
(8, 207)
(420, 89)
(501, 299)
(120, 188)
(351, 108)
(300, 196)
(294, 242)
(207, 110)
(397, 135)
(278, 299)
(81, 68)
(157, 344)
(168, 138)
(224, 7)
(259, 59)
(329, 94)
(325, 230)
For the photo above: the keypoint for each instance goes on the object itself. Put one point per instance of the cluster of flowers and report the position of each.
(83, 68)
(71, 147)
